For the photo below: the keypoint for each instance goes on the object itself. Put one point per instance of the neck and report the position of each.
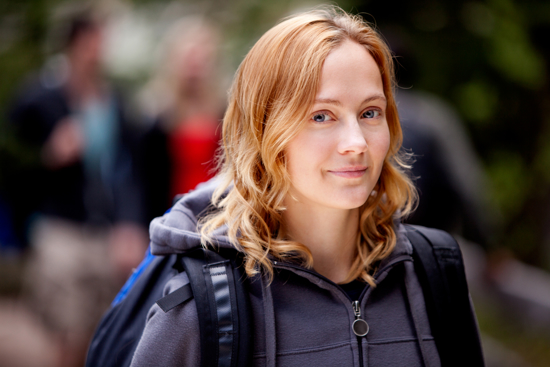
(330, 235)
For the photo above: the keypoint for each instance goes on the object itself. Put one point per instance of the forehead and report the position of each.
(349, 68)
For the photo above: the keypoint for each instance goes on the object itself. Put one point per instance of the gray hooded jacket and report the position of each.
(301, 318)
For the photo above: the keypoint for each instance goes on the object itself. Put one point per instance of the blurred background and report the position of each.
(474, 99)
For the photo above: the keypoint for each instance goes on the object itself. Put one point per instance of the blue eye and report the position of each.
(370, 114)
(320, 117)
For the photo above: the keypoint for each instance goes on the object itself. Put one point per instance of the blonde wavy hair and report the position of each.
(272, 93)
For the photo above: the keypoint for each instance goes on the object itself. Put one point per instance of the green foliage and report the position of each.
(541, 164)
(477, 100)
(510, 182)
(23, 28)
(510, 49)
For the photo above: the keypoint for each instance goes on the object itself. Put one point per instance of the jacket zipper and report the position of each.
(360, 328)
(360, 346)
(359, 324)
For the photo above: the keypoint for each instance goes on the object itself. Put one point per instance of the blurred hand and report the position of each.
(64, 146)
(128, 243)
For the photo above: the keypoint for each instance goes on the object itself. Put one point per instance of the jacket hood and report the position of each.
(176, 231)
(403, 247)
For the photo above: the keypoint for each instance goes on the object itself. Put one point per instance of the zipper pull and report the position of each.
(359, 326)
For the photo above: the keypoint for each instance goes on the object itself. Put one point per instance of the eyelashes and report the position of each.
(371, 114)
(321, 117)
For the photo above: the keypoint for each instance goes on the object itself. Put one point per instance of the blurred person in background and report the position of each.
(447, 170)
(184, 103)
(86, 236)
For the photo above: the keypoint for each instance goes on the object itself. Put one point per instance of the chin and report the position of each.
(352, 201)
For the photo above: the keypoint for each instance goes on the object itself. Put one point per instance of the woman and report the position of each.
(311, 190)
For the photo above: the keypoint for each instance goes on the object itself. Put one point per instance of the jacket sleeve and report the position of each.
(171, 338)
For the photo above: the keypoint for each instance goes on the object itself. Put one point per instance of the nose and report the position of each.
(353, 138)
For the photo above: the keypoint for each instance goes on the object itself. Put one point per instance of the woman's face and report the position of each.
(336, 160)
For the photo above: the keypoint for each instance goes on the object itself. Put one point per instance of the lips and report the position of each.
(349, 172)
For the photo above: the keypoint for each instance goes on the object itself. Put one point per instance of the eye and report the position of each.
(321, 117)
(370, 114)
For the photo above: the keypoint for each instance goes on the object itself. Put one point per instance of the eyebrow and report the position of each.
(338, 103)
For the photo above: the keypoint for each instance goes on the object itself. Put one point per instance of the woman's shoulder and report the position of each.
(166, 332)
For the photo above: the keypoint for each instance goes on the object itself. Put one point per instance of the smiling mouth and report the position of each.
(350, 172)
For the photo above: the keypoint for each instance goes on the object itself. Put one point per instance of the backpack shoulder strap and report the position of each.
(217, 285)
(120, 329)
(440, 269)
(175, 298)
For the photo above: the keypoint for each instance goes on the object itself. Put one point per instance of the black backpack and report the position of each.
(440, 270)
(216, 283)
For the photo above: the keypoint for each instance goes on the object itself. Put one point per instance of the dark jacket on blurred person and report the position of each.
(446, 170)
(88, 233)
(99, 189)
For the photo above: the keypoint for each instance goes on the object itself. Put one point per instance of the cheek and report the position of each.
(293, 157)
(303, 152)
(379, 145)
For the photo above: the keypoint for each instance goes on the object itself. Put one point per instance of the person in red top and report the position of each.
(191, 148)
(184, 102)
